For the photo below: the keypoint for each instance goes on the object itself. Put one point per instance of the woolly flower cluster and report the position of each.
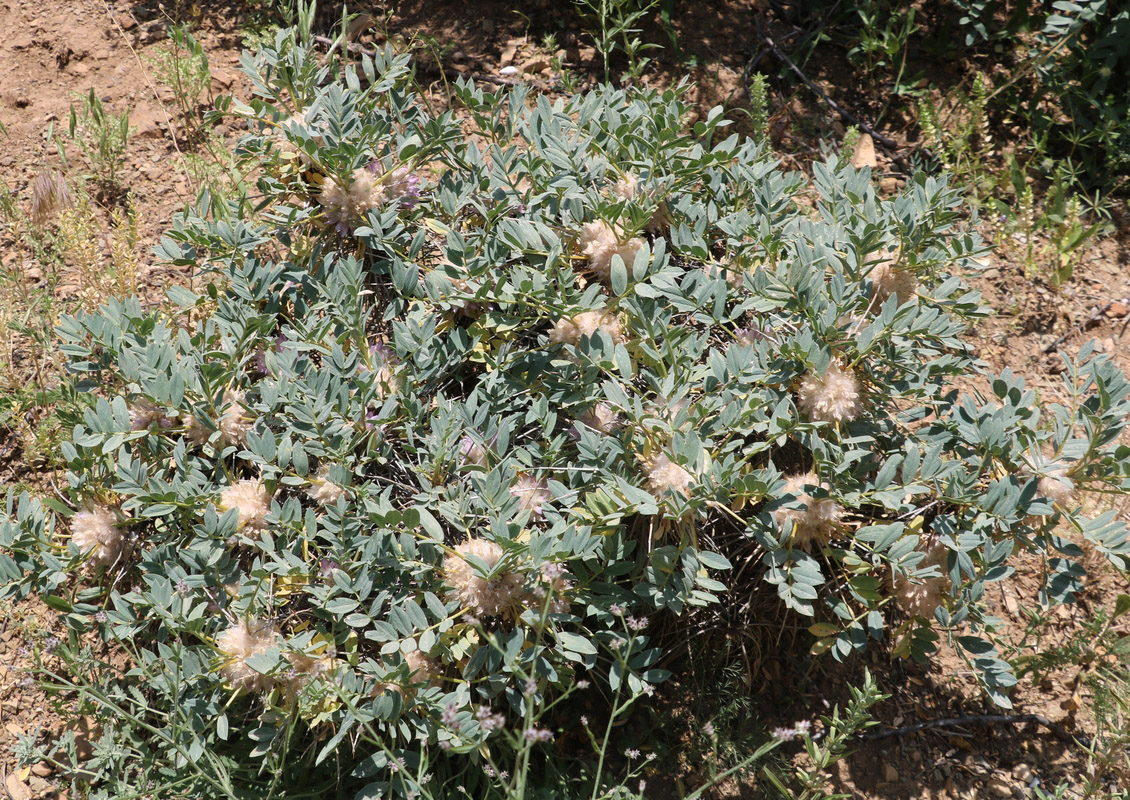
(831, 397)
(664, 475)
(383, 369)
(532, 493)
(888, 278)
(347, 204)
(628, 188)
(569, 330)
(921, 599)
(250, 498)
(600, 241)
(233, 424)
(816, 521)
(600, 417)
(237, 644)
(499, 596)
(322, 490)
(96, 531)
(288, 146)
(144, 414)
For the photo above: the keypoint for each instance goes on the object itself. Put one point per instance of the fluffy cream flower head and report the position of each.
(600, 242)
(250, 498)
(628, 188)
(235, 421)
(888, 278)
(664, 475)
(569, 330)
(144, 414)
(322, 490)
(500, 596)
(347, 205)
(247, 638)
(532, 493)
(816, 521)
(831, 397)
(96, 531)
(288, 146)
(601, 417)
(921, 599)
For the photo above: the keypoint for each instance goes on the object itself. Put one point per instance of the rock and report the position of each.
(888, 185)
(127, 21)
(42, 769)
(890, 774)
(1023, 773)
(148, 122)
(223, 78)
(999, 787)
(864, 155)
(17, 789)
(39, 786)
(535, 64)
(991, 274)
(1118, 310)
(508, 54)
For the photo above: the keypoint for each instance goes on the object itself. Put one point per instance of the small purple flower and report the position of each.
(326, 567)
(100, 616)
(637, 623)
(488, 720)
(182, 587)
(538, 735)
(631, 753)
(450, 716)
(617, 610)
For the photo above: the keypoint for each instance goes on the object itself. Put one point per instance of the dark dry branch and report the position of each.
(984, 719)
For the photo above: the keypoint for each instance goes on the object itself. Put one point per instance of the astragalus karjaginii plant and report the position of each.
(471, 397)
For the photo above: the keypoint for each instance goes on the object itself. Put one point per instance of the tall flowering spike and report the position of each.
(888, 278)
(532, 493)
(234, 422)
(247, 638)
(600, 242)
(347, 205)
(500, 596)
(833, 396)
(922, 599)
(569, 330)
(96, 531)
(250, 498)
(664, 475)
(49, 193)
(816, 521)
(322, 490)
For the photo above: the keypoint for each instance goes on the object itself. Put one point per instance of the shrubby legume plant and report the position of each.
(469, 398)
